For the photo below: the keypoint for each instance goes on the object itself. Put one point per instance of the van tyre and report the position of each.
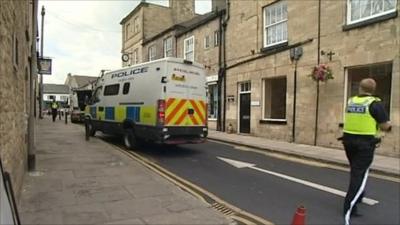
(89, 129)
(130, 140)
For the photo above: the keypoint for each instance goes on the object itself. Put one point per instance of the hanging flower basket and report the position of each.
(321, 72)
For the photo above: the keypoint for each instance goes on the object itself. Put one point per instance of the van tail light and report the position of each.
(160, 112)
(206, 118)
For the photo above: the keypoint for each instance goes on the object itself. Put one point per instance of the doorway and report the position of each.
(244, 107)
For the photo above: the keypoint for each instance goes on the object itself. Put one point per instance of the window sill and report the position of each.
(212, 119)
(273, 121)
(275, 48)
(370, 21)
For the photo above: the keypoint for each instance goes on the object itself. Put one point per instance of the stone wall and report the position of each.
(15, 30)
(159, 44)
(206, 56)
(355, 47)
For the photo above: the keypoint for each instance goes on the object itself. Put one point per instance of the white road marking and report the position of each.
(240, 164)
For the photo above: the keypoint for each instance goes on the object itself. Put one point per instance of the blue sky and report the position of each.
(84, 37)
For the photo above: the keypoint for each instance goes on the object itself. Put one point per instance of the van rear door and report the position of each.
(185, 95)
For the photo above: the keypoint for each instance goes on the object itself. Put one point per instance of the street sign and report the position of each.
(44, 66)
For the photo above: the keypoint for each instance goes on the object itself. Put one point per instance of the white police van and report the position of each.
(162, 101)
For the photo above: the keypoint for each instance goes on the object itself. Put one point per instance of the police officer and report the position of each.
(364, 117)
(54, 109)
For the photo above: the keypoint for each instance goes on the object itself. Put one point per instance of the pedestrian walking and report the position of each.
(365, 117)
(54, 109)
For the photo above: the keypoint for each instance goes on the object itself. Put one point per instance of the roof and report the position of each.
(137, 8)
(199, 21)
(82, 81)
(56, 88)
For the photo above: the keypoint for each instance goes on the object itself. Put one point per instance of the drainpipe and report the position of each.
(32, 95)
(220, 75)
(225, 24)
(318, 61)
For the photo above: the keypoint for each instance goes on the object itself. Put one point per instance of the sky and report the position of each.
(84, 37)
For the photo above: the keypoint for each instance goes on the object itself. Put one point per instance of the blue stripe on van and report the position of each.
(93, 112)
(133, 113)
(110, 113)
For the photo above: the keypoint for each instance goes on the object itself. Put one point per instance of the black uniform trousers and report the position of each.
(360, 153)
(54, 114)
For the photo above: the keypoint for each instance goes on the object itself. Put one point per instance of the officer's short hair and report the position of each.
(368, 85)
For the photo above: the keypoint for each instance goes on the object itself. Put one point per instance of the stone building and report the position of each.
(271, 49)
(18, 26)
(356, 39)
(147, 20)
(201, 42)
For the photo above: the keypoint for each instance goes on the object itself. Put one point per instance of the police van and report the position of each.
(162, 101)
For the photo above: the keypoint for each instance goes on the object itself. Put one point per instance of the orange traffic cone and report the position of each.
(300, 216)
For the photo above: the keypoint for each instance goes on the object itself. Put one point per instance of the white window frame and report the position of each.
(166, 48)
(152, 53)
(275, 24)
(349, 9)
(206, 42)
(216, 38)
(127, 31)
(136, 26)
(185, 48)
(135, 56)
(264, 80)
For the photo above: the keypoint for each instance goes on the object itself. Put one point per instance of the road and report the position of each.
(271, 187)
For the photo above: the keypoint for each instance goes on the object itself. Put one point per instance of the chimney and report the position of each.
(182, 10)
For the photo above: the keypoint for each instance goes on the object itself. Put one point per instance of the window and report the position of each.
(274, 107)
(96, 95)
(168, 47)
(360, 10)
(111, 89)
(152, 53)
(135, 57)
(212, 101)
(125, 89)
(381, 73)
(275, 24)
(245, 87)
(136, 25)
(206, 42)
(216, 38)
(189, 49)
(127, 31)
(64, 98)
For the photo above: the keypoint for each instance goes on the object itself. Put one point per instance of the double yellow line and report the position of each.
(236, 214)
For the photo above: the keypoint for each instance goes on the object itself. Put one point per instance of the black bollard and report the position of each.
(66, 116)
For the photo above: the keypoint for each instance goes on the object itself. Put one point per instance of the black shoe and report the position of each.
(354, 212)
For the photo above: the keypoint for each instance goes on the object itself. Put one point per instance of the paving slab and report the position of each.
(90, 182)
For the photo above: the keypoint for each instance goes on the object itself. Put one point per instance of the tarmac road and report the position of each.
(269, 188)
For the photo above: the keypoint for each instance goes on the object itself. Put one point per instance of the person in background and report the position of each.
(54, 109)
(364, 117)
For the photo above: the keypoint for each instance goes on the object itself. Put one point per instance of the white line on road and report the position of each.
(239, 164)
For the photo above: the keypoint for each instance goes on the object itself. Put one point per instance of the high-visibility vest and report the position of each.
(54, 105)
(358, 119)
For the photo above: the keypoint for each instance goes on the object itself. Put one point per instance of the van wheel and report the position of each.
(89, 129)
(130, 139)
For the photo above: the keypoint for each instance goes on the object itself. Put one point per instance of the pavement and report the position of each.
(91, 182)
(381, 164)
